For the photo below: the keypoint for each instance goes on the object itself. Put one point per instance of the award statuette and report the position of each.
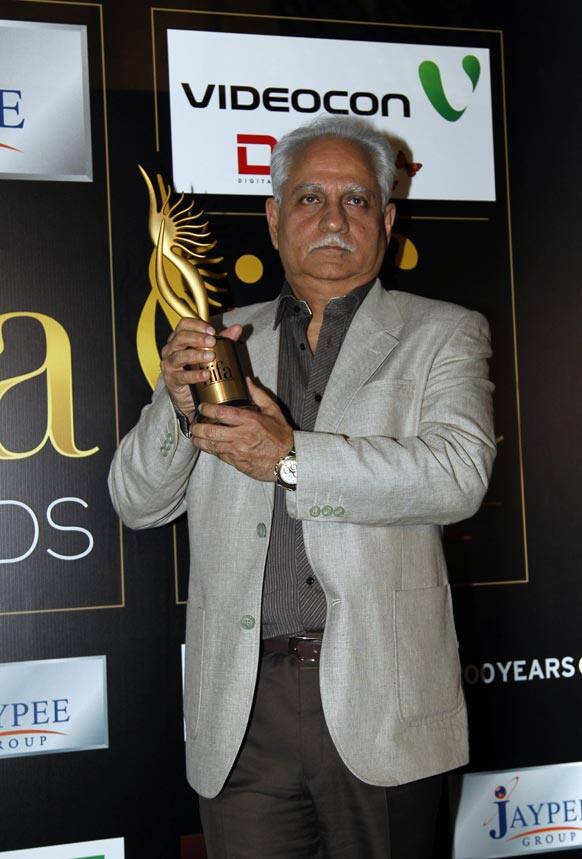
(180, 250)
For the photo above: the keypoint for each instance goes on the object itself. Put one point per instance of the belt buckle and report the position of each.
(293, 648)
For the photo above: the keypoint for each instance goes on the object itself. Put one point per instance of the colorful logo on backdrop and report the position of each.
(105, 848)
(432, 83)
(53, 705)
(511, 814)
(45, 129)
(406, 90)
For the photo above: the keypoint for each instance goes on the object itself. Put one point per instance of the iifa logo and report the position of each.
(10, 116)
(535, 824)
(432, 84)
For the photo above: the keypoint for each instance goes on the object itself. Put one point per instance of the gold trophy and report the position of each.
(180, 250)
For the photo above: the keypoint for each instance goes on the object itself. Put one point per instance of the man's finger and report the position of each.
(227, 415)
(260, 397)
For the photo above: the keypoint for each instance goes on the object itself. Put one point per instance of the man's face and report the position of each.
(330, 230)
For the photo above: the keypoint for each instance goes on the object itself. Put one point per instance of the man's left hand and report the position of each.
(251, 441)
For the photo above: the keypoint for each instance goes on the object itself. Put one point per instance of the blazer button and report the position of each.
(327, 510)
(247, 621)
(339, 511)
(315, 510)
(262, 529)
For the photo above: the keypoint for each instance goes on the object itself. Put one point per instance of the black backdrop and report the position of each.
(129, 607)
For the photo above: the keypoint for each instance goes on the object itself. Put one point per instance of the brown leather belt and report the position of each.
(306, 648)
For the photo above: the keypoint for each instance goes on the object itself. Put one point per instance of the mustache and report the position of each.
(331, 241)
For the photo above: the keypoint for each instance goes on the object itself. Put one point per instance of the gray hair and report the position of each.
(359, 131)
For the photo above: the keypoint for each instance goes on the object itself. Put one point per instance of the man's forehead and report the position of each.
(325, 157)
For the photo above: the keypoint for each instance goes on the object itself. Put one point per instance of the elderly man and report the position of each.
(322, 691)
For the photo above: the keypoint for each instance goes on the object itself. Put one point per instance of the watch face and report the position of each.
(288, 471)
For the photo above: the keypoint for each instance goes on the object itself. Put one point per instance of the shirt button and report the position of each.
(309, 581)
(302, 347)
(247, 621)
(262, 529)
(327, 510)
(339, 511)
(315, 510)
(317, 398)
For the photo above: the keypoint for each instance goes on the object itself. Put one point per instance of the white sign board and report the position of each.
(232, 96)
(515, 813)
(53, 705)
(108, 848)
(45, 127)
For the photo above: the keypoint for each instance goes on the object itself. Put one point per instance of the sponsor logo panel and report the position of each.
(524, 670)
(108, 848)
(514, 813)
(228, 112)
(53, 705)
(45, 128)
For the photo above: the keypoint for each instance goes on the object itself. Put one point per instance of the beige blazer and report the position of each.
(403, 444)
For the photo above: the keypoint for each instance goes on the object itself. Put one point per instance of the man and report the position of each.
(380, 433)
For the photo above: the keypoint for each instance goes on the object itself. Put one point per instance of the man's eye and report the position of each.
(355, 200)
(309, 198)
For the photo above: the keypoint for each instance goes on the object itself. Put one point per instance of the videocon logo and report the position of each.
(430, 78)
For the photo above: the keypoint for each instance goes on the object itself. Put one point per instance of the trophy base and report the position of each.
(226, 385)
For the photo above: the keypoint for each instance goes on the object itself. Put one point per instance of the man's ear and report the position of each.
(389, 215)
(272, 210)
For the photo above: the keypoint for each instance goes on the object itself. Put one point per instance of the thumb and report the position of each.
(233, 332)
(260, 397)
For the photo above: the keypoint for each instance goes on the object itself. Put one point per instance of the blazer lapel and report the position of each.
(371, 337)
(263, 346)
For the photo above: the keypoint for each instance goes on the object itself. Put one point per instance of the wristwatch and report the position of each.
(286, 471)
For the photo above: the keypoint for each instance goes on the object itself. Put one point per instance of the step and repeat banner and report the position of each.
(91, 615)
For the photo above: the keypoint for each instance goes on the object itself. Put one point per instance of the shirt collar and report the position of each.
(341, 304)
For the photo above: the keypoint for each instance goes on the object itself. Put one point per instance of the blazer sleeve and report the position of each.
(151, 467)
(437, 476)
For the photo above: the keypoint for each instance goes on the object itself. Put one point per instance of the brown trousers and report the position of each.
(290, 796)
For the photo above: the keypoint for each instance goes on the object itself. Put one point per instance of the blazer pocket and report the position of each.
(193, 664)
(427, 656)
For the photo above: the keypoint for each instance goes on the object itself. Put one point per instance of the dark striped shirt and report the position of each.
(293, 601)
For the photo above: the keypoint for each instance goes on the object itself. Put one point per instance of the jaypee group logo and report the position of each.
(45, 128)
(53, 705)
(535, 810)
(233, 95)
(108, 848)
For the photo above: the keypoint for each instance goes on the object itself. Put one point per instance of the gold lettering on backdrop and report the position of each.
(57, 368)
(178, 286)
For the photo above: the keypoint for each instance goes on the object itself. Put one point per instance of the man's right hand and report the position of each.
(190, 344)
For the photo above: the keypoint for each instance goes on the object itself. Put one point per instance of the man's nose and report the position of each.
(333, 218)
